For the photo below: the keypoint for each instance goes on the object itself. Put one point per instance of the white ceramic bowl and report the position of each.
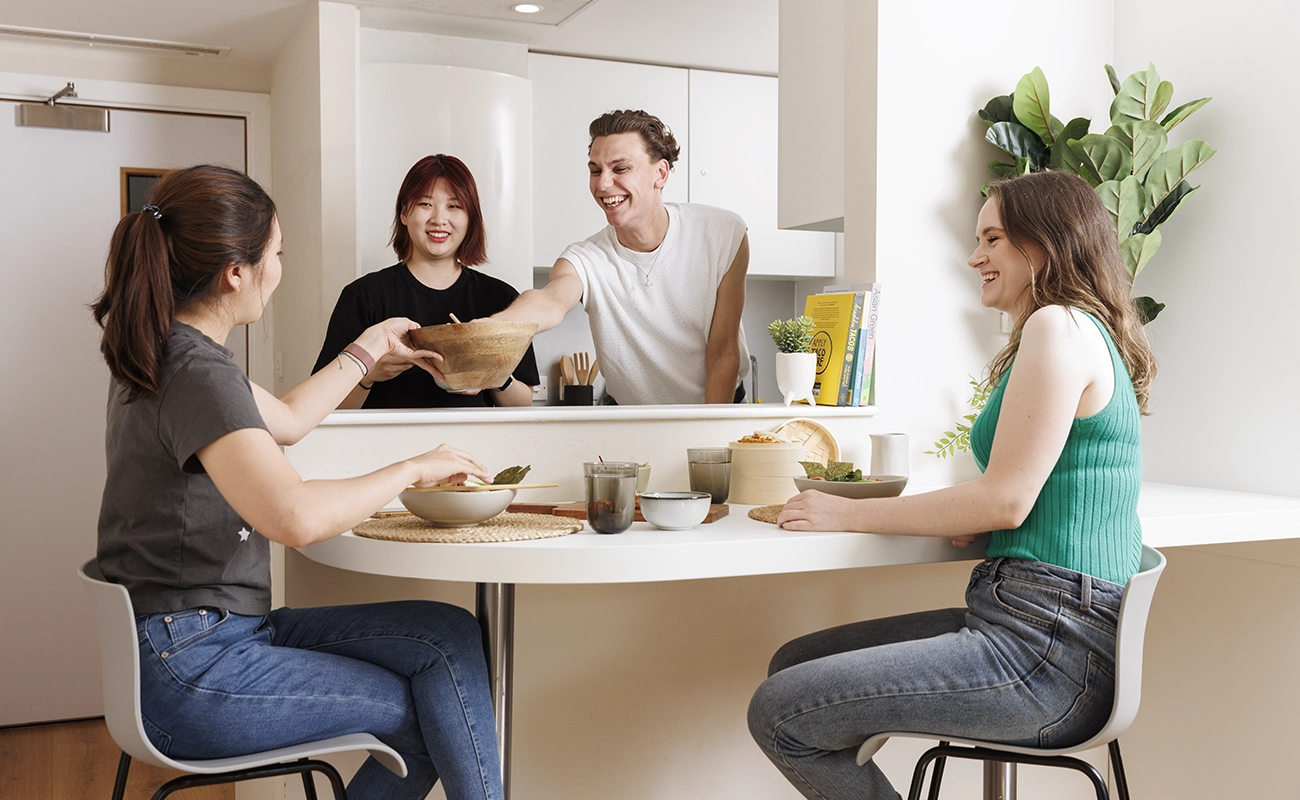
(457, 509)
(675, 511)
(874, 486)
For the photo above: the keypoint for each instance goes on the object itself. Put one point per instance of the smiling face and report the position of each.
(436, 223)
(1006, 270)
(625, 182)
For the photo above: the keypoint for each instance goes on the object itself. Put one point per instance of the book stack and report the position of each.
(844, 339)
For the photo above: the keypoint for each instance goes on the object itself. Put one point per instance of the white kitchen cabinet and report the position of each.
(811, 161)
(733, 165)
(568, 93)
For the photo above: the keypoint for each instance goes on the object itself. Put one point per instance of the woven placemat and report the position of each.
(766, 513)
(504, 527)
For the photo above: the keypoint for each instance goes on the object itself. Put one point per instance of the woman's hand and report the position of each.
(389, 342)
(818, 511)
(446, 464)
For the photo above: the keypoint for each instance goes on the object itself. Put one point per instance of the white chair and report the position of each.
(1129, 637)
(121, 672)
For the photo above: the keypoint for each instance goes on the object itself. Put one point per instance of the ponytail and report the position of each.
(170, 255)
(136, 307)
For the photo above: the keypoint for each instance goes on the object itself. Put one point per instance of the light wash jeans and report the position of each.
(1030, 661)
(216, 684)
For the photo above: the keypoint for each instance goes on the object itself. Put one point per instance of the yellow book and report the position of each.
(836, 319)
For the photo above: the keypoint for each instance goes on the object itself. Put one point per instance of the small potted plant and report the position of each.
(796, 366)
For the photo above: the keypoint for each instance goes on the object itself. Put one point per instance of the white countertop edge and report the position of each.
(1172, 516)
(364, 417)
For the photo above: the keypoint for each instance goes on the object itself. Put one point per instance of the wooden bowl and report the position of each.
(479, 354)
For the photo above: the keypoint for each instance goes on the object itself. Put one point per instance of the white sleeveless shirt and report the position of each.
(651, 339)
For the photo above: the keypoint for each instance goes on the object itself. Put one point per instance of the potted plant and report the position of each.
(1141, 182)
(796, 366)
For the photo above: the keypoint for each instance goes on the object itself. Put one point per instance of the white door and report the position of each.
(60, 198)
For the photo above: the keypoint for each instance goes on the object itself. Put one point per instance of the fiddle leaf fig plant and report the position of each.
(791, 335)
(1138, 176)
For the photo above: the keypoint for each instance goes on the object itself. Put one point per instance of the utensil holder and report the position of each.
(577, 394)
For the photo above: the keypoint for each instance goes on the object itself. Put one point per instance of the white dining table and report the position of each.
(735, 545)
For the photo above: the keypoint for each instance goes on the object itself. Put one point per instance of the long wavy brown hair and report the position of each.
(1061, 214)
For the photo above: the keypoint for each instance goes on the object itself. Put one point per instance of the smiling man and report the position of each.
(663, 284)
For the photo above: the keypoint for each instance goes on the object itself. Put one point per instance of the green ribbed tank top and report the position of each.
(1085, 518)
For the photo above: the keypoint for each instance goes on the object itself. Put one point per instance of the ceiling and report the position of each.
(739, 35)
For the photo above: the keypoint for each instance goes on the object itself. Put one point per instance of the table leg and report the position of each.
(999, 780)
(495, 608)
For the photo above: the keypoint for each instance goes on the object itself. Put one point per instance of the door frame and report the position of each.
(253, 107)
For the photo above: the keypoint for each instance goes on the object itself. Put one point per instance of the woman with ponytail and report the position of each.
(1030, 660)
(198, 487)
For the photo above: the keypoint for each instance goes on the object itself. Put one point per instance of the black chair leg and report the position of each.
(336, 783)
(938, 774)
(936, 755)
(1121, 780)
(302, 767)
(309, 785)
(119, 785)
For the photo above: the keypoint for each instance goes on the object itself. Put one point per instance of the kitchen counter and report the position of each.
(556, 440)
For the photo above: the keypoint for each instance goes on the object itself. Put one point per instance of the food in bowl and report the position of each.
(763, 437)
(872, 486)
(675, 511)
(457, 509)
(479, 354)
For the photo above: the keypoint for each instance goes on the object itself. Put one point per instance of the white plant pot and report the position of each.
(795, 375)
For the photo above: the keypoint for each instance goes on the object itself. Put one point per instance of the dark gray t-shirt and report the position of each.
(165, 532)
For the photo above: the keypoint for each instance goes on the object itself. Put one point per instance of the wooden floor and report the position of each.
(78, 761)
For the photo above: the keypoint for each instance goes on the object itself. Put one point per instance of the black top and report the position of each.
(165, 532)
(395, 292)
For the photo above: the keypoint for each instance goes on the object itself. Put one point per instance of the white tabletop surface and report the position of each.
(1172, 516)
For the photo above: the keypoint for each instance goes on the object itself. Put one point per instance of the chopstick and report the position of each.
(487, 487)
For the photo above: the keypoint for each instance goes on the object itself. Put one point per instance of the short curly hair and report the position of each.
(657, 137)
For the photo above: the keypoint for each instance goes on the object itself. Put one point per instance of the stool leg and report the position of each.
(308, 785)
(1121, 780)
(119, 785)
(999, 780)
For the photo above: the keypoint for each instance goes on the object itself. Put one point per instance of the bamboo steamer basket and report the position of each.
(763, 474)
(479, 354)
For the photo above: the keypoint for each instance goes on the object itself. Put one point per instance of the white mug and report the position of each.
(889, 454)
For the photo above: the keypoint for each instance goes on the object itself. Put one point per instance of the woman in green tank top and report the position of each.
(1030, 659)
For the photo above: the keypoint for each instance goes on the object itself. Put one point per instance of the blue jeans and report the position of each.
(216, 684)
(1030, 661)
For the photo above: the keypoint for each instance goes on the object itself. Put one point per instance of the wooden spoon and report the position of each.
(566, 370)
(595, 369)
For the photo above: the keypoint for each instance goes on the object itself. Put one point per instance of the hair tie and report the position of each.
(152, 209)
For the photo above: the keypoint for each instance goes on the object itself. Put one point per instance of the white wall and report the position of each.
(313, 110)
(930, 165)
(1224, 401)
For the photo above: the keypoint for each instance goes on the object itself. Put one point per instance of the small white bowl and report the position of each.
(675, 511)
(873, 486)
(457, 509)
